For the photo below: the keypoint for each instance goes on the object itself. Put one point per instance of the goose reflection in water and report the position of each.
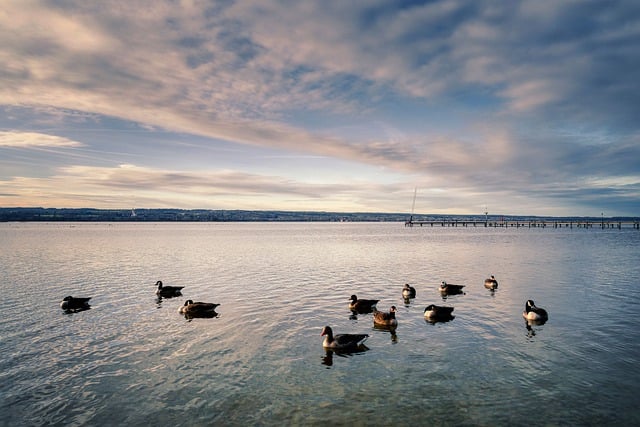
(390, 329)
(327, 359)
(532, 330)
(530, 323)
(208, 315)
(434, 321)
(159, 301)
(77, 310)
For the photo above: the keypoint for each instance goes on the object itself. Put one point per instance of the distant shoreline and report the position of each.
(38, 214)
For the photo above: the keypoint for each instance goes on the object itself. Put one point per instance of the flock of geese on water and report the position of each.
(432, 313)
(190, 309)
(339, 342)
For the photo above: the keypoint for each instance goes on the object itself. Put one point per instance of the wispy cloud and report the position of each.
(18, 139)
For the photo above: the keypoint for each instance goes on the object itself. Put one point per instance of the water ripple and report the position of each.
(133, 359)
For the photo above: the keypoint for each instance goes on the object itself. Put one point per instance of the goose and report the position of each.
(71, 303)
(408, 291)
(531, 312)
(168, 291)
(342, 341)
(197, 308)
(437, 312)
(380, 318)
(362, 305)
(491, 283)
(450, 289)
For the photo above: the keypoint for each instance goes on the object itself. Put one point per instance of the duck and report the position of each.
(532, 312)
(408, 291)
(380, 318)
(362, 305)
(438, 312)
(491, 283)
(72, 303)
(168, 291)
(197, 308)
(344, 342)
(450, 289)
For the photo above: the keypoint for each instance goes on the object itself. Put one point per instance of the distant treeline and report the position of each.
(206, 215)
(185, 215)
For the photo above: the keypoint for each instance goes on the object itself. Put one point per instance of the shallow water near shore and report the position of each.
(132, 359)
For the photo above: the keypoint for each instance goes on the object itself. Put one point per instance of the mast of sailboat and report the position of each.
(413, 205)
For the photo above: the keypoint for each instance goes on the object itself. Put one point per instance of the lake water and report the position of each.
(134, 360)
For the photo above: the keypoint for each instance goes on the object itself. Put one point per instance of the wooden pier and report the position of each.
(519, 223)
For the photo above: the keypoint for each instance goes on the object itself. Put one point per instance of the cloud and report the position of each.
(17, 139)
(128, 184)
(254, 63)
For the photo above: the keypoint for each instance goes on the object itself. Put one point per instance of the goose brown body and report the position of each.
(491, 283)
(380, 318)
(196, 308)
(344, 342)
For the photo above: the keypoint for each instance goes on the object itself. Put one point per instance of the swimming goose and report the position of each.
(408, 291)
(531, 312)
(70, 303)
(380, 318)
(437, 312)
(342, 341)
(168, 291)
(491, 283)
(197, 308)
(362, 305)
(450, 289)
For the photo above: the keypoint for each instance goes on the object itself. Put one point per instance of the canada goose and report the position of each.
(531, 312)
(437, 312)
(408, 291)
(491, 283)
(380, 318)
(362, 305)
(70, 303)
(450, 289)
(168, 291)
(342, 341)
(197, 308)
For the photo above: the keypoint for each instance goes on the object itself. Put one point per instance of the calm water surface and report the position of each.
(133, 360)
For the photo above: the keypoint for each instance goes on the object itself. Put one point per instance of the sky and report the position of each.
(515, 108)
